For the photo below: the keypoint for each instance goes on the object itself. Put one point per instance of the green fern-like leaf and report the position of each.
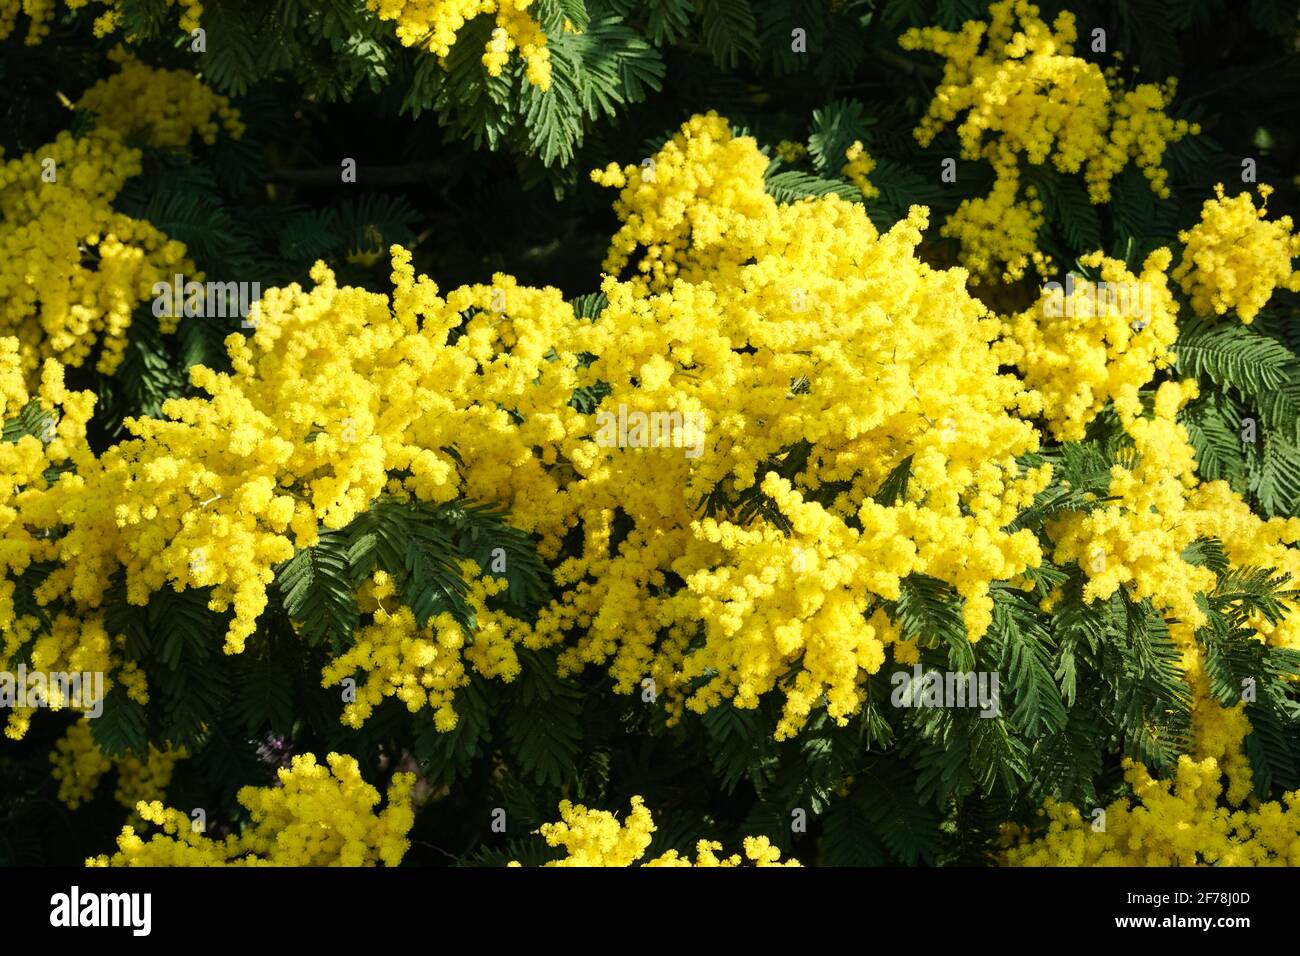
(730, 31)
(790, 186)
(318, 590)
(543, 726)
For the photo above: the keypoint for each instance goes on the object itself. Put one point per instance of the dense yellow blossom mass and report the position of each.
(1234, 257)
(338, 390)
(67, 644)
(41, 14)
(783, 324)
(755, 334)
(78, 765)
(164, 108)
(433, 25)
(422, 667)
(1176, 822)
(317, 816)
(1158, 508)
(596, 838)
(1202, 816)
(72, 269)
(781, 329)
(1136, 542)
(1028, 98)
(1103, 342)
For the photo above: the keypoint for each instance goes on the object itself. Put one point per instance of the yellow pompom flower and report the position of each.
(72, 269)
(790, 151)
(433, 25)
(596, 838)
(164, 108)
(1234, 258)
(858, 166)
(41, 14)
(1027, 98)
(316, 816)
(78, 765)
(1098, 341)
(1197, 817)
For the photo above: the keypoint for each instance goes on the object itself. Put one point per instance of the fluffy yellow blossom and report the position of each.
(146, 779)
(41, 13)
(166, 108)
(1028, 99)
(794, 358)
(1192, 819)
(1102, 342)
(331, 395)
(1218, 731)
(879, 345)
(342, 395)
(1157, 509)
(78, 765)
(1234, 258)
(790, 151)
(1176, 822)
(433, 25)
(317, 816)
(998, 233)
(27, 465)
(72, 269)
(1140, 132)
(423, 667)
(1136, 540)
(596, 838)
(856, 169)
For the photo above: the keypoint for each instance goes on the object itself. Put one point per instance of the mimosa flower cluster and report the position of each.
(1089, 348)
(41, 13)
(422, 667)
(434, 24)
(70, 643)
(1137, 539)
(72, 269)
(331, 394)
(1028, 98)
(79, 764)
(596, 838)
(1136, 542)
(1176, 822)
(794, 332)
(858, 166)
(1235, 258)
(163, 108)
(1202, 816)
(317, 816)
(852, 347)
(337, 391)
